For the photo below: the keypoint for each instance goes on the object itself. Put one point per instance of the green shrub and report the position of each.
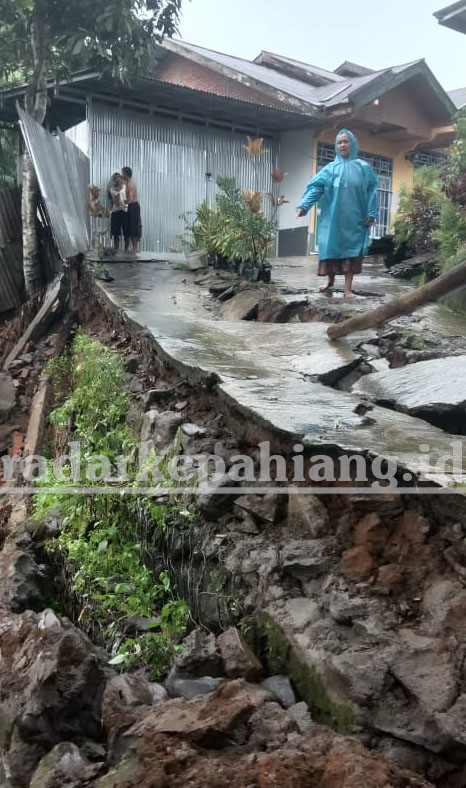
(419, 212)
(454, 173)
(99, 543)
(253, 233)
(451, 233)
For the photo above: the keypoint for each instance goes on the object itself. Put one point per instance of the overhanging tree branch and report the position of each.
(404, 305)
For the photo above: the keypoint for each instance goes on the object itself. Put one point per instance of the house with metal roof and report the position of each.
(453, 16)
(186, 123)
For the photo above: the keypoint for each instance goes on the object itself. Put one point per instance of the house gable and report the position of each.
(407, 112)
(181, 71)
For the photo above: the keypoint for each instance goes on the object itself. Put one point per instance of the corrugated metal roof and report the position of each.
(10, 216)
(353, 69)
(63, 174)
(327, 96)
(292, 87)
(458, 97)
(306, 68)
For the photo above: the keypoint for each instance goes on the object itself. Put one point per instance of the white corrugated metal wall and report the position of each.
(175, 165)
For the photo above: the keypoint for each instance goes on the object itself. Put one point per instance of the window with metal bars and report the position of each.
(428, 158)
(382, 165)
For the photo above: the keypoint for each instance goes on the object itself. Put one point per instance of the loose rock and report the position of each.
(282, 689)
(200, 656)
(238, 658)
(307, 558)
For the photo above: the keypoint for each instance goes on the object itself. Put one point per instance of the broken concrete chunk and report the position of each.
(242, 306)
(212, 501)
(282, 689)
(192, 688)
(268, 508)
(149, 420)
(159, 693)
(437, 384)
(301, 716)
(157, 397)
(193, 430)
(270, 726)
(307, 515)
(200, 656)
(238, 658)
(166, 427)
(306, 558)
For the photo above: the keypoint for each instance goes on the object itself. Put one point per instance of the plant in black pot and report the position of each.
(202, 230)
(251, 233)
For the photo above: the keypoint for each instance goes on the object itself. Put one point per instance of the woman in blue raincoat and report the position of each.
(348, 188)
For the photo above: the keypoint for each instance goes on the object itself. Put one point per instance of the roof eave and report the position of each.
(453, 16)
(389, 81)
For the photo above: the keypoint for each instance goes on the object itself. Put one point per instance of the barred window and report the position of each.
(428, 158)
(382, 165)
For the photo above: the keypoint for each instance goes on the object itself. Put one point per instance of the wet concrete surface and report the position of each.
(175, 258)
(270, 371)
(301, 272)
(439, 384)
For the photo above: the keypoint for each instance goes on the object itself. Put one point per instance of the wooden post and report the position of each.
(404, 305)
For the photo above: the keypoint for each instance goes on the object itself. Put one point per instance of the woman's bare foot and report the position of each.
(349, 295)
(327, 286)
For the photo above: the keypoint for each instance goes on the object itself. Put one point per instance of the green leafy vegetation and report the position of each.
(419, 212)
(99, 540)
(57, 38)
(235, 227)
(8, 156)
(253, 232)
(451, 233)
(432, 215)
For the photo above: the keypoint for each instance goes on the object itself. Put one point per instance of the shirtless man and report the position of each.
(134, 209)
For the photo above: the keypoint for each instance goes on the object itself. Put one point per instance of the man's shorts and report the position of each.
(134, 220)
(119, 224)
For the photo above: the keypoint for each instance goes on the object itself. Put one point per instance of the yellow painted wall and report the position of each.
(403, 171)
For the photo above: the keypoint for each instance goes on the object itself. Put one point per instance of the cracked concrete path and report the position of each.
(270, 372)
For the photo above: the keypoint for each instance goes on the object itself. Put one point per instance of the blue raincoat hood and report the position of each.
(354, 145)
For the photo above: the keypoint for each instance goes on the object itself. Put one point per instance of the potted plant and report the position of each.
(203, 231)
(252, 234)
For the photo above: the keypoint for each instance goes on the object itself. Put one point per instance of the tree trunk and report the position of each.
(404, 305)
(36, 106)
(32, 268)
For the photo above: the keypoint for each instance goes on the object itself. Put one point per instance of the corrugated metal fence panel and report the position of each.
(61, 170)
(10, 216)
(175, 166)
(77, 165)
(11, 262)
(80, 136)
